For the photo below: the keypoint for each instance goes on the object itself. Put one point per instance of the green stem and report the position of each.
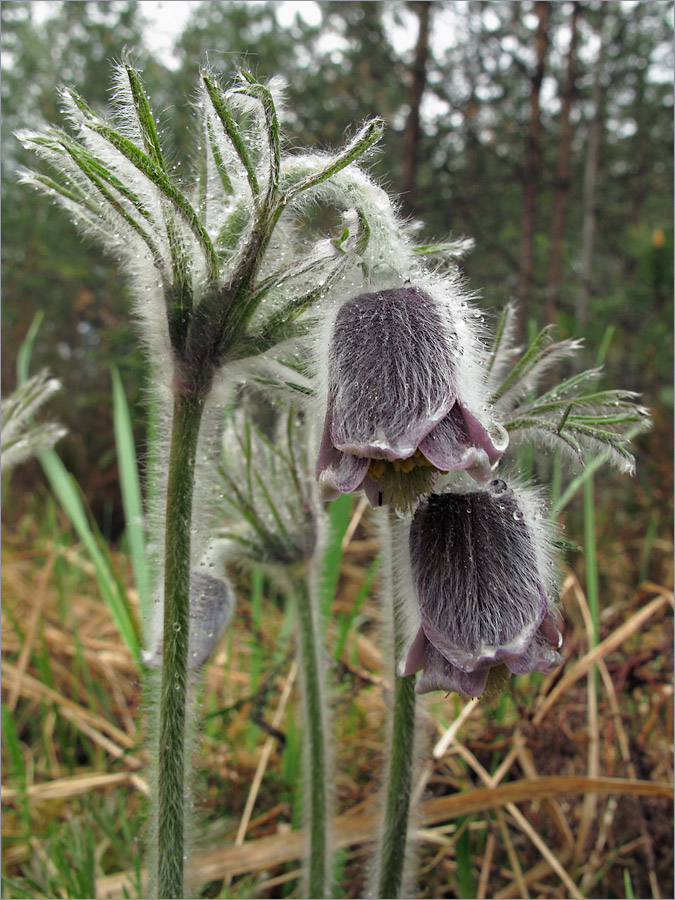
(397, 809)
(391, 859)
(187, 413)
(314, 704)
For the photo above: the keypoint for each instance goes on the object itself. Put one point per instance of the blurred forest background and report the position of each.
(544, 131)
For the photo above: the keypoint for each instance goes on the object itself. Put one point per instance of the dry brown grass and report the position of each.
(556, 791)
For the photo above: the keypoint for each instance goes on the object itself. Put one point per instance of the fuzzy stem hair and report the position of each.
(392, 852)
(187, 415)
(314, 709)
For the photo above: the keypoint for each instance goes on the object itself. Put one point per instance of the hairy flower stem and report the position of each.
(397, 804)
(391, 854)
(187, 414)
(314, 708)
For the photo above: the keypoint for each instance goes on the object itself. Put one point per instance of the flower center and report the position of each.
(402, 482)
(380, 467)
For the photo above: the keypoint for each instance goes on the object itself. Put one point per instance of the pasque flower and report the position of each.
(395, 416)
(481, 566)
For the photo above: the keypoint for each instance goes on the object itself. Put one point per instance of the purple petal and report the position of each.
(542, 654)
(391, 373)
(449, 447)
(373, 491)
(415, 659)
(343, 476)
(493, 444)
(539, 657)
(460, 441)
(337, 472)
(480, 595)
(440, 675)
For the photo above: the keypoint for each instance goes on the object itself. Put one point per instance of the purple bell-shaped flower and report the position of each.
(395, 416)
(481, 567)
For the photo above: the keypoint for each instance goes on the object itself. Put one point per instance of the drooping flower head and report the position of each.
(481, 566)
(395, 416)
(211, 608)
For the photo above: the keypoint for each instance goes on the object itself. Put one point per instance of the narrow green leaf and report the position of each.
(572, 383)
(539, 347)
(499, 334)
(26, 348)
(222, 110)
(63, 486)
(12, 745)
(370, 133)
(348, 620)
(144, 116)
(145, 165)
(91, 171)
(339, 514)
(218, 159)
(131, 495)
(261, 93)
(90, 164)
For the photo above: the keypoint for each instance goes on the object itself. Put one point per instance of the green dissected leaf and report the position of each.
(144, 116)
(537, 350)
(500, 333)
(92, 170)
(261, 93)
(219, 101)
(367, 136)
(145, 165)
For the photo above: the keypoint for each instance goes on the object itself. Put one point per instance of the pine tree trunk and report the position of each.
(590, 179)
(413, 130)
(532, 163)
(562, 175)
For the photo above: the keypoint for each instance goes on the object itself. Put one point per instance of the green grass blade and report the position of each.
(131, 494)
(17, 765)
(26, 349)
(346, 621)
(63, 486)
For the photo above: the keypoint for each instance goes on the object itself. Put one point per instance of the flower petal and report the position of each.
(337, 472)
(449, 447)
(391, 373)
(542, 654)
(494, 440)
(460, 441)
(480, 594)
(440, 675)
(343, 475)
(416, 657)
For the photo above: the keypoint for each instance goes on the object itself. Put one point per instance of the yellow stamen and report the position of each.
(377, 469)
(404, 465)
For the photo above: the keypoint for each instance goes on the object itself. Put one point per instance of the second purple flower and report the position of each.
(481, 566)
